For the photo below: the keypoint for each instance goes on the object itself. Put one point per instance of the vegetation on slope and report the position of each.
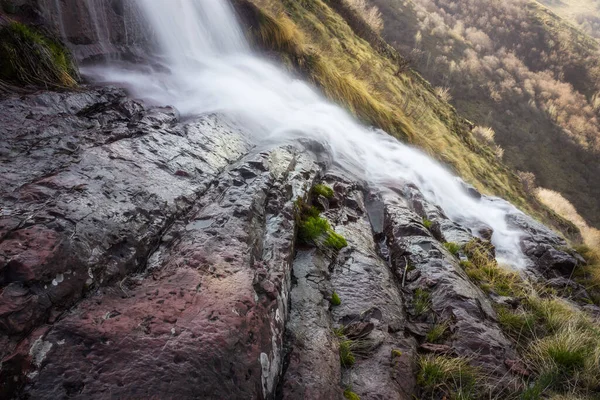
(517, 67)
(29, 57)
(559, 344)
(371, 80)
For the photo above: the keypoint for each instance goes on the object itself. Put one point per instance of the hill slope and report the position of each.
(332, 46)
(520, 69)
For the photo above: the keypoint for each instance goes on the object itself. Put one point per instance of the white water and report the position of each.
(211, 69)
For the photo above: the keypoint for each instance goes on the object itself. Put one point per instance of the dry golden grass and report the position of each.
(564, 208)
(589, 275)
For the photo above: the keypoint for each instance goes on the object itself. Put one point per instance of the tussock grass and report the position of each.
(347, 358)
(30, 57)
(421, 301)
(450, 377)
(483, 269)
(559, 343)
(437, 332)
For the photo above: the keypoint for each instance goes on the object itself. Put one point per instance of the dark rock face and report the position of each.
(93, 29)
(146, 257)
(549, 253)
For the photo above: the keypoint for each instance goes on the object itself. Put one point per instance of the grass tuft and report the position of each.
(427, 223)
(484, 271)
(421, 301)
(314, 229)
(335, 241)
(437, 332)
(347, 358)
(453, 248)
(444, 376)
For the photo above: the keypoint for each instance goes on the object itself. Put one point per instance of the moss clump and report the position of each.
(313, 228)
(29, 57)
(335, 241)
(396, 353)
(453, 248)
(350, 395)
(316, 230)
(335, 300)
(323, 190)
(427, 223)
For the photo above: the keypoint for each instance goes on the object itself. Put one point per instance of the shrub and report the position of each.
(443, 93)
(370, 14)
(484, 134)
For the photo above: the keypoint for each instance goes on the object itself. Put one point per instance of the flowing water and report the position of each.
(210, 68)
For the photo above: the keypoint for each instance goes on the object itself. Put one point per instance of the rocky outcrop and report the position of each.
(145, 256)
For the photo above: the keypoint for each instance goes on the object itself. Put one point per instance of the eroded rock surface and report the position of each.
(142, 256)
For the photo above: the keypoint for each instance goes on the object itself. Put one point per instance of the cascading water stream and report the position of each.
(210, 68)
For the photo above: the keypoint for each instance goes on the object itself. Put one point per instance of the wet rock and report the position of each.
(313, 370)
(549, 253)
(92, 185)
(372, 310)
(213, 305)
(445, 294)
(435, 348)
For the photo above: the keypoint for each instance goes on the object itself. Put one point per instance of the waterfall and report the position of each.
(209, 68)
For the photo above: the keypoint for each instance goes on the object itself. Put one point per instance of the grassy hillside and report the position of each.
(518, 68)
(328, 43)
